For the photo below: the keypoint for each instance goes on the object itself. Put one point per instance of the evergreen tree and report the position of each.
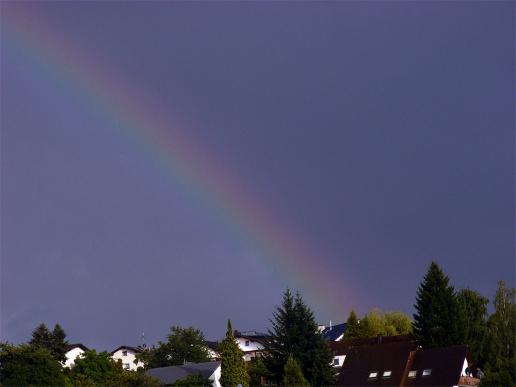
(58, 343)
(41, 337)
(352, 327)
(53, 341)
(258, 372)
(435, 321)
(234, 370)
(295, 333)
(472, 318)
(293, 375)
(500, 346)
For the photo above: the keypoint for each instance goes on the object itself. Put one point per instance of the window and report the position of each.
(336, 361)
(387, 374)
(373, 375)
(427, 372)
(247, 343)
(412, 374)
(127, 366)
(124, 353)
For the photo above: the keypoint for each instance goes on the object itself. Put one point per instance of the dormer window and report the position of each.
(124, 353)
(373, 375)
(412, 374)
(427, 372)
(387, 374)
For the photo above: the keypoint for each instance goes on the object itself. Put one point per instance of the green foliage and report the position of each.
(99, 369)
(435, 320)
(233, 366)
(378, 323)
(184, 344)
(472, 315)
(500, 343)
(295, 333)
(352, 327)
(26, 365)
(193, 381)
(258, 372)
(293, 375)
(55, 341)
(95, 369)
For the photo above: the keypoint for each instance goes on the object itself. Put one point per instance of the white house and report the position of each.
(127, 355)
(251, 343)
(72, 352)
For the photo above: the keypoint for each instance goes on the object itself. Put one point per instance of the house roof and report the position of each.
(445, 362)
(213, 345)
(134, 349)
(362, 360)
(334, 332)
(342, 347)
(261, 338)
(169, 375)
(69, 347)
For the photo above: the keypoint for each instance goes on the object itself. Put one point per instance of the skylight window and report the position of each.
(427, 372)
(387, 374)
(373, 375)
(412, 374)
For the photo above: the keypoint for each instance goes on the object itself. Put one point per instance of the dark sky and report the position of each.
(379, 134)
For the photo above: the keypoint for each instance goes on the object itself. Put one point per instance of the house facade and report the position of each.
(252, 343)
(73, 351)
(127, 356)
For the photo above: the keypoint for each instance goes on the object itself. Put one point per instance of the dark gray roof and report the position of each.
(333, 333)
(169, 375)
(69, 347)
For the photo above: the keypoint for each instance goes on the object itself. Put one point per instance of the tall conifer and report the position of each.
(234, 370)
(436, 317)
(295, 333)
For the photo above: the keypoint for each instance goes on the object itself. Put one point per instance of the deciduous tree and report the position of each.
(26, 365)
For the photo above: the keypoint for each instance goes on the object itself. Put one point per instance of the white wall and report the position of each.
(127, 359)
(252, 345)
(71, 355)
(215, 377)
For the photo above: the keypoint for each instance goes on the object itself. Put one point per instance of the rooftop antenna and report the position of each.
(143, 341)
(330, 324)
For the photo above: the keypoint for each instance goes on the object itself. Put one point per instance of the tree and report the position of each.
(398, 323)
(258, 372)
(293, 375)
(53, 341)
(26, 365)
(352, 327)
(500, 365)
(183, 345)
(295, 333)
(99, 369)
(233, 366)
(58, 343)
(378, 323)
(435, 320)
(472, 316)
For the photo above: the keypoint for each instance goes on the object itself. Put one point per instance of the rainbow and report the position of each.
(190, 163)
